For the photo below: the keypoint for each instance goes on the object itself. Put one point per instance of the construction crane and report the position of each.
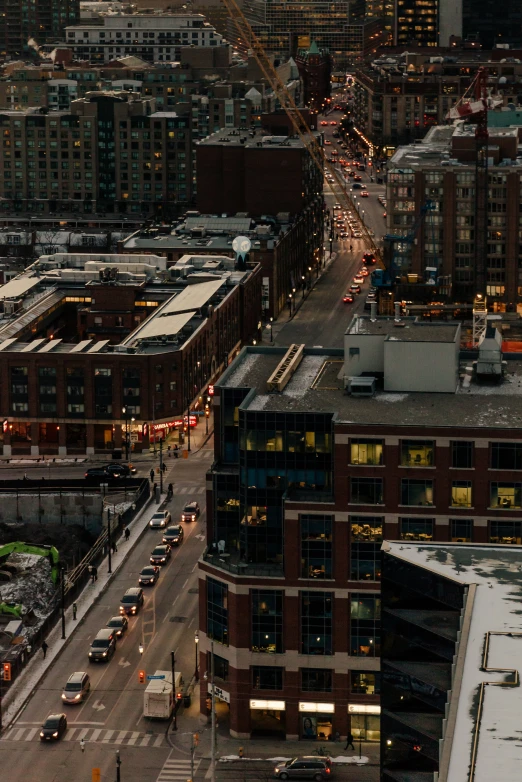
(299, 124)
(400, 247)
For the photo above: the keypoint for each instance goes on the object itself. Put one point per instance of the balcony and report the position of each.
(233, 563)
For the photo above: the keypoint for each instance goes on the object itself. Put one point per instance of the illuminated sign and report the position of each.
(363, 708)
(271, 705)
(211, 390)
(177, 422)
(322, 708)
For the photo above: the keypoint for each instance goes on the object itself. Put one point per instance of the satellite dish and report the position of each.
(241, 245)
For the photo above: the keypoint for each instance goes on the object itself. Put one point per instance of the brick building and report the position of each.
(97, 347)
(315, 69)
(43, 21)
(318, 456)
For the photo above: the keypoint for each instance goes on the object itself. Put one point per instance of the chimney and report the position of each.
(373, 311)
(397, 311)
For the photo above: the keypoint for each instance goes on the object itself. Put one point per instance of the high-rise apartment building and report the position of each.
(315, 69)
(26, 24)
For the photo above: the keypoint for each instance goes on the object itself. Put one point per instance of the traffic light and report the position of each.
(196, 739)
(6, 667)
(141, 676)
(207, 411)
(179, 696)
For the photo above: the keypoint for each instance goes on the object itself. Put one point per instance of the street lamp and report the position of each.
(303, 283)
(124, 411)
(271, 331)
(196, 672)
(207, 414)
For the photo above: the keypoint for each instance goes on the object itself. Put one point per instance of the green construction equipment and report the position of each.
(28, 548)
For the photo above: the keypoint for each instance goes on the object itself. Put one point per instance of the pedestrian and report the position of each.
(75, 609)
(170, 491)
(44, 649)
(164, 468)
(349, 742)
(127, 533)
(114, 547)
(151, 475)
(94, 574)
(176, 451)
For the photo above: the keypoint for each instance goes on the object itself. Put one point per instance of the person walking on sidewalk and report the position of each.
(114, 547)
(349, 742)
(75, 609)
(45, 647)
(127, 533)
(151, 475)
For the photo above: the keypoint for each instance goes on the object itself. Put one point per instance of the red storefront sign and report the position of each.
(177, 422)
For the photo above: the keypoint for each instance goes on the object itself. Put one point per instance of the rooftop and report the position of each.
(251, 139)
(406, 330)
(318, 386)
(494, 608)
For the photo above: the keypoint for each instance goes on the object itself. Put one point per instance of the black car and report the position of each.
(149, 575)
(118, 470)
(98, 475)
(131, 601)
(54, 727)
(173, 535)
(119, 624)
(160, 555)
(103, 646)
(190, 512)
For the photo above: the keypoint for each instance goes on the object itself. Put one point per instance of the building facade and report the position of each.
(315, 69)
(307, 481)
(98, 348)
(25, 26)
(151, 37)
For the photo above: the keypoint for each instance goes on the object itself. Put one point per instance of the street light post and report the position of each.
(188, 423)
(196, 672)
(207, 414)
(124, 411)
(213, 717)
(109, 541)
(271, 331)
(62, 585)
(173, 669)
(118, 764)
(161, 466)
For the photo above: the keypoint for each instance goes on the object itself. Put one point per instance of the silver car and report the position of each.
(318, 769)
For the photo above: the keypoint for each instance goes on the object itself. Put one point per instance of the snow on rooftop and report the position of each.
(304, 376)
(497, 607)
(240, 375)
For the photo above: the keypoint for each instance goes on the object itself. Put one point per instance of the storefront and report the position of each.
(365, 721)
(316, 720)
(267, 718)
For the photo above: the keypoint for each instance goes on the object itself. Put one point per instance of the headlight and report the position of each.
(162, 559)
(133, 609)
(90, 654)
(104, 654)
(42, 734)
(77, 697)
(64, 697)
(55, 734)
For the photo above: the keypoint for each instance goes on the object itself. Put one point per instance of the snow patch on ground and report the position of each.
(305, 375)
(339, 759)
(33, 587)
(387, 397)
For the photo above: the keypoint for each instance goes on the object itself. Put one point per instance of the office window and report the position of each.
(416, 491)
(266, 677)
(366, 682)
(505, 495)
(316, 680)
(316, 546)
(366, 491)
(217, 611)
(462, 454)
(366, 451)
(366, 528)
(505, 532)
(417, 453)
(416, 529)
(267, 621)
(461, 530)
(461, 494)
(506, 456)
(365, 616)
(220, 667)
(316, 622)
(365, 561)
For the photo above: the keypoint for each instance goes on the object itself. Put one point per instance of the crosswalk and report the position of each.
(189, 489)
(131, 738)
(176, 770)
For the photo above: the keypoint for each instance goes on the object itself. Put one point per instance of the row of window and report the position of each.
(316, 621)
(421, 453)
(420, 492)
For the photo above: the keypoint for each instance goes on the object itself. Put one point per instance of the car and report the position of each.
(103, 646)
(307, 767)
(119, 470)
(333, 122)
(119, 624)
(53, 728)
(131, 601)
(160, 519)
(356, 185)
(344, 235)
(323, 123)
(357, 234)
(336, 206)
(328, 143)
(160, 555)
(358, 279)
(348, 298)
(364, 272)
(357, 178)
(98, 475)
(384, 214)
(190, 512)
(364, 194)
(173, 535)
(77, 687)
(149, 575)
(368, 258)
(350, 173)
(355, 289)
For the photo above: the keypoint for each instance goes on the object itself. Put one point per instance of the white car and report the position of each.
(160, 520)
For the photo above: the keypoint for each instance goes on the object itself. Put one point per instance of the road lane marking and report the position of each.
(135, 736)
(107, 737)
(82, 722)
(95, 734)
(31, 734)
(145, 741)
(121, 736)
(158, 741)
(82, 734)
(185, 584)
(69, 736)
(19, 733)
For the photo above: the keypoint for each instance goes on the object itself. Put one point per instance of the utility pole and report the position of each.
(174, 702)
(62, 589)
(213, 718)
(109, 541)
(188, 424)
(161, 465)
(118, 764)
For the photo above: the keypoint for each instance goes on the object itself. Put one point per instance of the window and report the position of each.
(416, 529)
(366, 682)
(267, 621)
(366, 491)
(366, 452)
(316, 622)
(461, 494)
(461, 530)
(506, 456)
(505, 495)
(265, 677)
(417, 453)
(462, 454)
(316, 546)
(365, 616)
(217, 611)
(416, 491)
(220, 666)
(316, 680)
(505, 532)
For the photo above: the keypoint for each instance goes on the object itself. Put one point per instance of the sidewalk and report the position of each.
(190, 721)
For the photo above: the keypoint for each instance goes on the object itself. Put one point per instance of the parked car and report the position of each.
(318, 769)
(149, 575)
(160, 555)
(160, 519)
(173, 535)
(77, 687)
(131, 601)
(190, 512)
(103, 646)
(54, 727)
(119, 624)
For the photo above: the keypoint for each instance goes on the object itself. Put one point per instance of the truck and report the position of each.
(158, 698)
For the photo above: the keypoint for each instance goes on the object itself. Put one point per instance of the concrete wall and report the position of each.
(370, 357)
(430, 367)
(67, 508)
